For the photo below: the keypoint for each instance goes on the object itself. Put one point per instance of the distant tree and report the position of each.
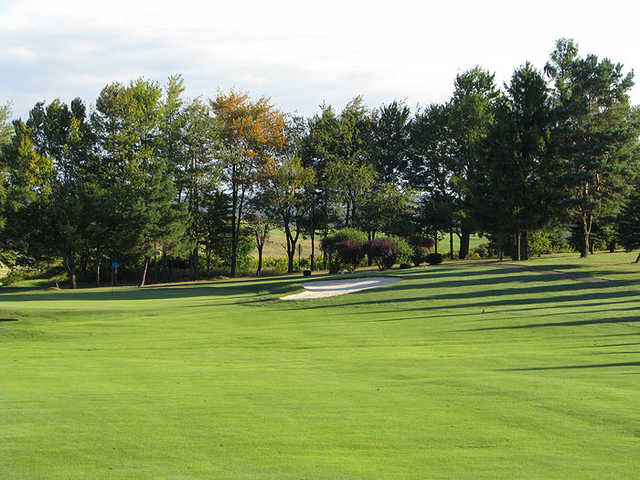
(216, 225)
(201, 172)
(390, 141)
(283, 189)
(470, 116)
(63, 134)
(27, 177)
(381, 209)
(516, 190)
(259, 224)
(596, 132)
(251, 132)
(350, 173)
(134, 170)
(6, 130)
(430, 169)
(628, 225)
(319, 147)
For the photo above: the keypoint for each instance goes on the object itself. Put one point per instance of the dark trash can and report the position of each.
(306, 273)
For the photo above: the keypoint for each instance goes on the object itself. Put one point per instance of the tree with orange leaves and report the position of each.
(252, 133)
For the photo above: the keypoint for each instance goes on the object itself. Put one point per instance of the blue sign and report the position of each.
(115, 264)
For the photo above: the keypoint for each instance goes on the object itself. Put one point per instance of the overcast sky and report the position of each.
(299, 53)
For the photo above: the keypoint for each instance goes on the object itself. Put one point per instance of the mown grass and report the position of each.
(462, 371)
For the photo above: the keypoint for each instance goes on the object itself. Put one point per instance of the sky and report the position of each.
(298, 53)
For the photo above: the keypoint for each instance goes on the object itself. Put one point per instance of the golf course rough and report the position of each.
(466, 371)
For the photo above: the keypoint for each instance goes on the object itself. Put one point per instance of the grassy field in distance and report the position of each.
(465, 371)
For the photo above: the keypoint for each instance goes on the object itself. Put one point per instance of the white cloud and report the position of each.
(19, 53)
(299, 53)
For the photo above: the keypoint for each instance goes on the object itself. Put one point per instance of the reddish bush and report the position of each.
(350, 253)
(383, 251)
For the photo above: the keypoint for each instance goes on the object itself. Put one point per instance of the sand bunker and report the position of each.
(332, 288)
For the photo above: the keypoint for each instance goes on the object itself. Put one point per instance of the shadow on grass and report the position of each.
(575, 323)
(569, 367)
(228, 291)
(546, 294)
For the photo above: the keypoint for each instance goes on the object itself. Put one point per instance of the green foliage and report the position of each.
(344, 234)
(419, 255)
(628, 228)
(246, 244)
(482, 251)
(595, 134)
(405, 251)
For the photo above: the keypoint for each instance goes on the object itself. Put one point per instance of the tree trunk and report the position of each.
(585, 246)
(234, 252)
(435, 243)
(324, 252)
(516, 246)
(144, 272)
(587, 222)
(464, 244)
(312, 258)
(234, 219)
(156, 270)
(524, 246)
(451, 243)
(195, 260)
(291, 247)
(70, 265)
(165, 264)
(259, 270)
(290, 258)
(98, 274)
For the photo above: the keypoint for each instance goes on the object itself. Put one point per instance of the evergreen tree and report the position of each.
(628, 227)
(596, 133)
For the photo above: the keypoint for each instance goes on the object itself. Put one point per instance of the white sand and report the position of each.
(332, 288)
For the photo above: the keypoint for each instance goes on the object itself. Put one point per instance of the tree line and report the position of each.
(152, 180)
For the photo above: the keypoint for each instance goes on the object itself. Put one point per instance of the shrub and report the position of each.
(350, 253)
(330, 246)
(434, 259)
(405, 252)
(420, 255)
(351, 234)
(13, 276)
(383, 251)
(481, 251)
